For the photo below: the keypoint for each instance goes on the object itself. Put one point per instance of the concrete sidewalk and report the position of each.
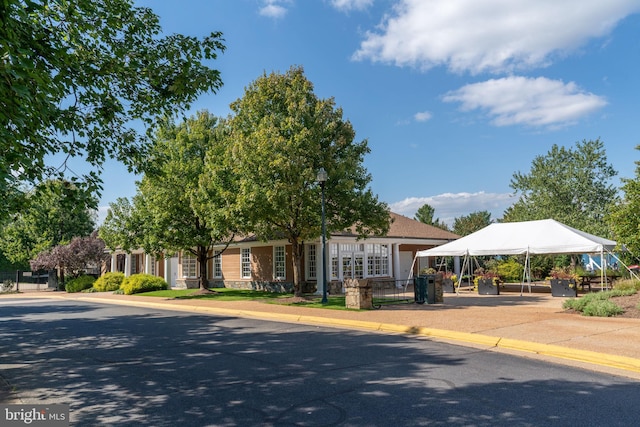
(532, 325)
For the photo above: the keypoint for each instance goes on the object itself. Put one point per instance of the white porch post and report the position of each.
(114, 262)
(167, 270)
(395, 269)
(127, 265)
(147, 264)
(320, 274)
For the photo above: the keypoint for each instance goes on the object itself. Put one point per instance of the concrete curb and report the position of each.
(591, 357)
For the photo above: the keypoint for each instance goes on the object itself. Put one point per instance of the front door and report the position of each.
(352, 265)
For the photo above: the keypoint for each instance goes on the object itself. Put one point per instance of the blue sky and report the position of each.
(453, 96)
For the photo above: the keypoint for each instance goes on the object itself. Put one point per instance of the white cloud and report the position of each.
(273, 9)
(101, 214)
(347, 5)
(449, 206)
(538, 102)
(422, 116)
(489, 35)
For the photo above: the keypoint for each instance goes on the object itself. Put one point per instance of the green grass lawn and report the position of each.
(227, 294)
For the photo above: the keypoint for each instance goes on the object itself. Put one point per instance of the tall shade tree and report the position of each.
(624, 217)
(79, 76)
(282, 134)
(55, 212)
(167, 213)
(425, 215)
(465, 225)
(572, 186)
(121, 229)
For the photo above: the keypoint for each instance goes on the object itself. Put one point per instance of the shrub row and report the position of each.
(116, 281)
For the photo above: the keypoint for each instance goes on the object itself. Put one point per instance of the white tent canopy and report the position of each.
(545, 236)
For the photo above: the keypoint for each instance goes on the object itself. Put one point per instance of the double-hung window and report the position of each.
(245, 263)
(279, 265)
(189, 265)
(312, 262)
(217, 265)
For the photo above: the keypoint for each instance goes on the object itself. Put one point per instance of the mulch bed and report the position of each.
(629, 304)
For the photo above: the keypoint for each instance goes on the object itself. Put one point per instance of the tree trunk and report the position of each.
(296, 253)
(202, 256)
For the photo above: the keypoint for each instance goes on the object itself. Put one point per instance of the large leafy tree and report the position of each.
(281, 135)
(465, 225)
(55, 212)
(425, 215)
(570, 185)
(624, 218)
(122, 227)
(167, 212)
(79, 77)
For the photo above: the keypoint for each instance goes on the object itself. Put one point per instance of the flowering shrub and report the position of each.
(562, 273)
(449, 275)
(481, 273)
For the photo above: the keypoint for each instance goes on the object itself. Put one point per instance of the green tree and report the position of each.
(55, 212)
(425, 215)
(282, 134)
(79, 76)
(471, 223)
(121, 229)
(623, 217)
(167, 212)
(572, 186)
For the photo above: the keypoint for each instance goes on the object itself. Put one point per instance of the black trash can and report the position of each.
(420, 289)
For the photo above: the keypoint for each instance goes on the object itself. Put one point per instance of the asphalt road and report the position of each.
(118, 365)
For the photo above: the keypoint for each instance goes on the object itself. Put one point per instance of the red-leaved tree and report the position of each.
(74, 258)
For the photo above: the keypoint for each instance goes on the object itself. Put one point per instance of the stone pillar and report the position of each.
(359, 294)
(439, 294)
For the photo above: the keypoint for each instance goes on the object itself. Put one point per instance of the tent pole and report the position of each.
(603, 270)
(464, 263)
(623, 264)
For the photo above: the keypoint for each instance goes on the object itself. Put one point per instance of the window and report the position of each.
(217, 265)
(279, 270)
(312, 262)
(333, 248)
(189, 265)
(245, 263)
(359, 260)
(152, 261)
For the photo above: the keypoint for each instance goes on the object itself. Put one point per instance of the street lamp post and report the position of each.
(322, 179)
